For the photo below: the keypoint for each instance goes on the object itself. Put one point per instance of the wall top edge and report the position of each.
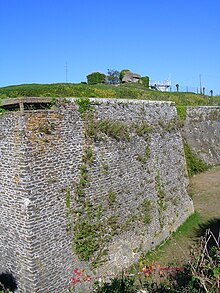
(125, 101)
(31, 100)
(41, 100)
(11, 101)
(203, 107)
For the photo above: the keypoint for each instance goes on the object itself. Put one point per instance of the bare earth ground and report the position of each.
(206, 198)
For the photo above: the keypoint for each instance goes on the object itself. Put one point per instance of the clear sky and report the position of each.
(162, 39)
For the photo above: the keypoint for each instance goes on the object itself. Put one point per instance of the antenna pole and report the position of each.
(66, 71)
(200, 82)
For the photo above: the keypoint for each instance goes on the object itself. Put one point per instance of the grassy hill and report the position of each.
(125, 91)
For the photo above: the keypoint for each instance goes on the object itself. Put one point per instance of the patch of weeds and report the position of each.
(53, 101)
(105, 167)
(146, 206)
(113, 226)
(161, 123)
(160, 200)
(115, 129)
(147, 152)
(86, 238)
(95, 129)
(83, 180)
(111, 198)
(88, 156)
(143, 215)
(175, 201)
(171, 125)
(99, 212)
(90, 126)
(84, 105)
(128, 222)
(68, 212)
(194, 164)
(46, 127)
(88, 231)
(91, 234)
(181, 112)
(143, 129)
(213, 115)
(160, 192)
(143, 158)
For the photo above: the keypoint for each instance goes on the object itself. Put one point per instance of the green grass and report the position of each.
(126, 91)
(184, 231)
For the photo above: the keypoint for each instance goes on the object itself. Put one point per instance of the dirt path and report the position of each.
(207, 193)
(206, 198)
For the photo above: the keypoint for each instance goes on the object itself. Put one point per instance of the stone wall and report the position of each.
(87, 191)
(202, 133)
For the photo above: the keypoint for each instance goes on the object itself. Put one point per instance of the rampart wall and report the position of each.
(88, 190)
(202, 133)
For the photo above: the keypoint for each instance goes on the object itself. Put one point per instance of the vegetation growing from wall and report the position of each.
(181, 112)
(194, 164)
(160, 198)
(98, 129)
(146, 207)
(91, 230)
(84, 105)
(143, 158)
(68, 209)
(143, 129)
(91, 233)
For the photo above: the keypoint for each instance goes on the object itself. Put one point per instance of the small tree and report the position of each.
(145, 81)
(113, 76)
(211, 93)
(96, 77)
(177, 87)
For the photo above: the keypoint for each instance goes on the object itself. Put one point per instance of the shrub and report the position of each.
(145, 81)
(95, 77)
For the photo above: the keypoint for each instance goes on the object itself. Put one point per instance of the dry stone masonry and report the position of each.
(87, 186)
(202, 132)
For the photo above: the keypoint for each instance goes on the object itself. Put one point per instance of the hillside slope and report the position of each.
(129, 91)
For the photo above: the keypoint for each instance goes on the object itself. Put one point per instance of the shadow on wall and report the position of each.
(7, 281)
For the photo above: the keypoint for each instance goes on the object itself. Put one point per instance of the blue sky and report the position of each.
(161, 39)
